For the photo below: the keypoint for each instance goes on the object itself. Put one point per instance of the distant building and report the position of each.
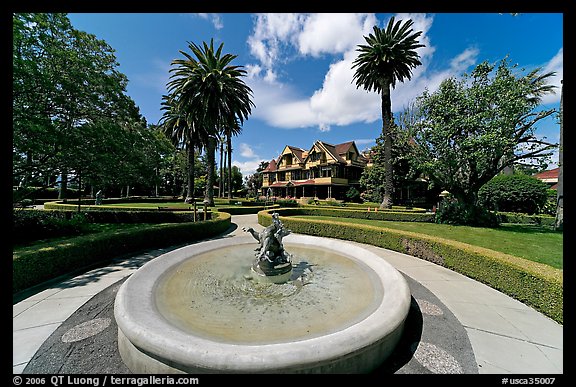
(324, 171)
(549, 177)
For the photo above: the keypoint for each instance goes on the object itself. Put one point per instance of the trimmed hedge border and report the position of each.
(92, 207)
(537, 285)
(360, 207)
(513, 217)
(35, 267)
(243, 210)
(401, 216)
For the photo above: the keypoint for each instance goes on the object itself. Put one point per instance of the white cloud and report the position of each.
(364, 141)
(272, 32)
(556, 64)
(246, 151)
(333, 33)
(324, 127)
(214, 18)
(249, 166)
(338, 101)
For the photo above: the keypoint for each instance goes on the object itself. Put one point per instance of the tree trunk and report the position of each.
(386, 131)
(79, 189)
(559, 222)
(63, 185)
(221, 182)
(210, 158)
(190, 165)
(229, 150)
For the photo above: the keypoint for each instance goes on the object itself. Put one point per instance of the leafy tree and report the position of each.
(253, 182)
(372, 179)
(210, 93)
(470, 129)
(182, 128)
(353, 195)
(236, 178)
(64, 79)
(514, 193)
(389, 56)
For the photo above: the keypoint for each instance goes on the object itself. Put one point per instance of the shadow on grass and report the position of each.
(528, 228)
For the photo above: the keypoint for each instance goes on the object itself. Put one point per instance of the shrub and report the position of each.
(456, 213)
(549, 207)
(353, 195)
(32, 225)
(34, 266)
(514, 193)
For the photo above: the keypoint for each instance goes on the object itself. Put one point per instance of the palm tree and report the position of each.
(389, 56)
(221, 182)
(180, 131)
(230, 131)
(211, 94)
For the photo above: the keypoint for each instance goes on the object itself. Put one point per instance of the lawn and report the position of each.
(90, 228)
(530, 242)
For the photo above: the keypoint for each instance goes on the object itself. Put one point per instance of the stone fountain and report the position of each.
(328, 306)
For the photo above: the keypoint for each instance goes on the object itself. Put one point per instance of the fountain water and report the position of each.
(212, 308)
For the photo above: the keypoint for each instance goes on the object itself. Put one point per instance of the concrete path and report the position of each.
(507, 337)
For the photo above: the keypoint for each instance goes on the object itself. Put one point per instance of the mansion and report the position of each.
(324, 171)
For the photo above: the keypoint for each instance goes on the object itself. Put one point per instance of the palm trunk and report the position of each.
(210, 158)
(190, 165)
(386, 131)
(221, 182)
(229, 150)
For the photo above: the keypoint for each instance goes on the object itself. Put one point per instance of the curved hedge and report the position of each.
(34, 267)
(400, 216)
(243, 210)
(537, 285)
(90, 206)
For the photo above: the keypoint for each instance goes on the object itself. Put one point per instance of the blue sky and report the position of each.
(299, 66)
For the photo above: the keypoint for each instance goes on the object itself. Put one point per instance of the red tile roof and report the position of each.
(271, 166)
(550, 174)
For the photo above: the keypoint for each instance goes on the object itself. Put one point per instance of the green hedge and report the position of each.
(88, 205)
(398, 216)
(243, 210)
(33, 267)
(514, 217)
(363, 206)
(537, 285)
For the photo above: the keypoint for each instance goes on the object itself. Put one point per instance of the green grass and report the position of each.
(91, 228)
(526, 241)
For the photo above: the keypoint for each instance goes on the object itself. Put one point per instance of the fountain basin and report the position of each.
(172, 317)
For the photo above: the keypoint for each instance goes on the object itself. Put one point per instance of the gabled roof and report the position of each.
(333, 151)
(271, 166)
(343, 148)
(328, 148)
(298, 152)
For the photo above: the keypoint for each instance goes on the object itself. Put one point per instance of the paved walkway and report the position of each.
(507, 337)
